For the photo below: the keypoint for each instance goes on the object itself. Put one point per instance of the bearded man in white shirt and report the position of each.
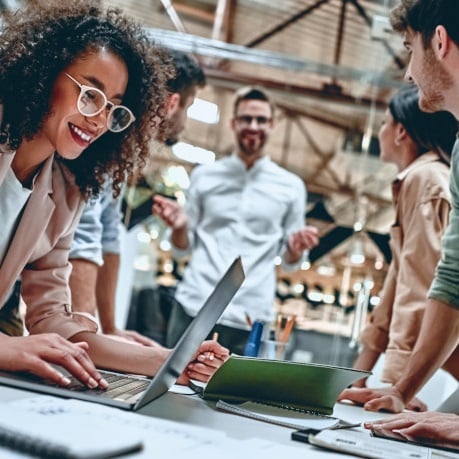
(246, 205)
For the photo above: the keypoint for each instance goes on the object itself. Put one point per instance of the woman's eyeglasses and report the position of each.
(93, 101)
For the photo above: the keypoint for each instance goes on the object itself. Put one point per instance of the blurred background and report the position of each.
(331, 66)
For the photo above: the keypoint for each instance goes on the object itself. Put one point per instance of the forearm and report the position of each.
(114, 355)
(437, 340)
(107, 281)
(83, 285)
(366, 360)
(298, 242)
(291, 257)
(179, 238)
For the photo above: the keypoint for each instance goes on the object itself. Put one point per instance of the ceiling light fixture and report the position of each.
(193, 154)
(204, 111)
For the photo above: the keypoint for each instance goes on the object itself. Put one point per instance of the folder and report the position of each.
(307, 387)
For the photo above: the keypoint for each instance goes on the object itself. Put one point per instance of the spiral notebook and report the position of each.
(293, 419)
(64, 434)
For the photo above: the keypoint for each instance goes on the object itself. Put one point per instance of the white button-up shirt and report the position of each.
(235, 211)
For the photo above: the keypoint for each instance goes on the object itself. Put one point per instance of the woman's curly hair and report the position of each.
(38, 43)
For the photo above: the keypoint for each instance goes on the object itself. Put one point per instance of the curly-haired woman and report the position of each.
(80, 93)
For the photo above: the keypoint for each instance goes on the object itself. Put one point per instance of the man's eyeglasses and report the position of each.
(93, 101)
(246, 120)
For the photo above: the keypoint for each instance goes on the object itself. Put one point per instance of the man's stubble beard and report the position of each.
(172, 136)
(438, 81)
(250, 152)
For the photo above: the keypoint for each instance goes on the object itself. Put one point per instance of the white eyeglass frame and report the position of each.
(113, 107)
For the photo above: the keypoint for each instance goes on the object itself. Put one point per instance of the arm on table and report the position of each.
(83, 280)
(93, 291)
(107, 281)
(366, 360)
(436, 342)
(130, 358)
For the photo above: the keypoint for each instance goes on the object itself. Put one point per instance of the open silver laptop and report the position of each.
(132, 392)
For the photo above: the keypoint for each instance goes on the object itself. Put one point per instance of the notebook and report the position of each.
(133, 392)
(306, 387)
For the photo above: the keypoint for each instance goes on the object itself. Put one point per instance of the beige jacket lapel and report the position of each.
(33, 223)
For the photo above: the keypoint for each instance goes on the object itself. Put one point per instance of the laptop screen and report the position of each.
(196, 333)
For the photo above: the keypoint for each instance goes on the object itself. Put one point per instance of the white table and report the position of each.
(240, 434)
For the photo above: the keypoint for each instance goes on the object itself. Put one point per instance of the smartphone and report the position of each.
(426, 444)
(303, 435)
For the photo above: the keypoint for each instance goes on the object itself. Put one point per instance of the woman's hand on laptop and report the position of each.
(210, 356)
(36, 353)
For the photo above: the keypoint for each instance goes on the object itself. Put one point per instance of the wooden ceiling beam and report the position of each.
(173, 16)
(321, 116)
(284, 24)
(194, 12)
(345, 190)
(361, 10)
(220, 21)
(340, 35)
(236, 79)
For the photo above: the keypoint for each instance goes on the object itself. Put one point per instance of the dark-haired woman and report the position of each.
(80, 89)
(419, 144)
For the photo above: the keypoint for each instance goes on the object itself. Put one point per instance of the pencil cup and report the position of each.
(272, 350)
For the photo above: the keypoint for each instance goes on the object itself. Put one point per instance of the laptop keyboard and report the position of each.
(120, 387)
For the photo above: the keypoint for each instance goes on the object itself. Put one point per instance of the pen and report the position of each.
(253, 341)
(346, 425)
(248, 320)
(288, 328)
(209, 354)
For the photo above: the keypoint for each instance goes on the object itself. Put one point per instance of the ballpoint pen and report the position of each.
(288, 328)
(248, 320)
(209, 354)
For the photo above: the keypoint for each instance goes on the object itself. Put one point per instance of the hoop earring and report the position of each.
(5, 146)
(5, 134)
